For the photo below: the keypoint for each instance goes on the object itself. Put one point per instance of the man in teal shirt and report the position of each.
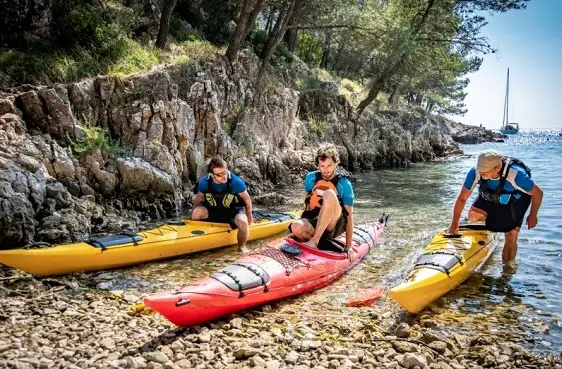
(329, 203)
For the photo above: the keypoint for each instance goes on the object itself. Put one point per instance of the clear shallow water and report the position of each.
(524, 302)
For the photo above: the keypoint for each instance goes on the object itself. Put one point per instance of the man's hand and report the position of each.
(532, 221)
(350, 254)
(453, 229)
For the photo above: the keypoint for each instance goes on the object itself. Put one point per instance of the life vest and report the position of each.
(494, 195)
(313, 200)
(225, 199)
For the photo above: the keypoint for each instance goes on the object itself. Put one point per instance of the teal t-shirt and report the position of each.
(344, 187)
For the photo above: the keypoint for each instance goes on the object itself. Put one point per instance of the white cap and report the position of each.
(488, 160)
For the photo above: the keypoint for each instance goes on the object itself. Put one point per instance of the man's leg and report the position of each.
(328, 217)
(241, 221)
(479, 210)
(302, 229)
(476, 214)
(510, 247)
(517, 212)
(200, 213)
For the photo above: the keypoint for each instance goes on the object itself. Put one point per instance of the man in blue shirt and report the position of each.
(222, 197)
(329, 203)
(505, 192)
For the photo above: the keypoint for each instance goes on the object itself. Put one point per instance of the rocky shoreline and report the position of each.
(65, 323)
(105, 153)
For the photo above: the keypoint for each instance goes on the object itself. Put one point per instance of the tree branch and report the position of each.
(473, 45)
(333, 26)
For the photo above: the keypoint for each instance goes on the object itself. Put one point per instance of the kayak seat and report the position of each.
(114, 240)
(242, 276)
(438, 260)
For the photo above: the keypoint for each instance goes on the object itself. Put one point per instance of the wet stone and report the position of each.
(156, 356)
(410, 360)
(438, 346)
(402, 331)
(257, 361)
(334, 364)
(292, 357)
(236, 323)
(184, 364)
(107, 343)
(272, 364)
(403, 347)
(207, 355)
(205, 336)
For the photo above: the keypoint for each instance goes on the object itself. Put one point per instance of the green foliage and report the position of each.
(317, 125)
(81, 24)
(422, 52)
(97, 138)
(238, 110)
(180, 31)
(281, 55)
(258, 38)
(134, 59)
(229, 124)
(309, 82)
(352, 90)
(119, 57)
(197, 50)
(309, 48)
(85, 40)
(214, 19)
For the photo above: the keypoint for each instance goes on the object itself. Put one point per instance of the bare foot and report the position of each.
(311, 244)
(244, 250)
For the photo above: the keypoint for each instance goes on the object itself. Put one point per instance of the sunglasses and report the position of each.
(219, 175)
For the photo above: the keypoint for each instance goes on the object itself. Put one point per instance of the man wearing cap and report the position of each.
(504, 194)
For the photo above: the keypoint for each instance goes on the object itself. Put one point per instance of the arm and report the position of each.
(247, 205)
(536, 200)
(349, 227)
(457, 210)
(198, 199)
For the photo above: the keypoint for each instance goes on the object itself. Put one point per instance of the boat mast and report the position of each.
(505, 119)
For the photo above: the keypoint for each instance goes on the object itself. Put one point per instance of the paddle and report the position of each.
(366, 297)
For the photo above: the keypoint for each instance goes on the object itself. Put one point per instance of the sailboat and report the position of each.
(508, 128)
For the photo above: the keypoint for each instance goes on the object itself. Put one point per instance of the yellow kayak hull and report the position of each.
(167, 241)
(444, 264)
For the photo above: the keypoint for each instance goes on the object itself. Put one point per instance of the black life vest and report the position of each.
(313, 200)
(225, 199)
(494, 195)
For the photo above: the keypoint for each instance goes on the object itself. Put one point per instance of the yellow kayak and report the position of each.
(445, 263)
(123, 249)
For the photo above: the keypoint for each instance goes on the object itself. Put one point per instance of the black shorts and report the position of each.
(223, 215)
(503, 218)
(312, 217)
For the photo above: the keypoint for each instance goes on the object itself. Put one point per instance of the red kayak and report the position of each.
(280, 269)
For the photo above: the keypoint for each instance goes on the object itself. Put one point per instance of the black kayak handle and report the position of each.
(452, 235)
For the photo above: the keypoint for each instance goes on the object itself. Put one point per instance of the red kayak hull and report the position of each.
(268, 274)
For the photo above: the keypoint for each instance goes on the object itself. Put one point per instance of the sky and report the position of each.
(529, 42)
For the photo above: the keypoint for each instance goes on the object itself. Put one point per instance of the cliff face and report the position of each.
(97, 155)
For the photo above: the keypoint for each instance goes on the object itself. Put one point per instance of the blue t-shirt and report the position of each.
(517, 180)
(344, 187)
(236, 186)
